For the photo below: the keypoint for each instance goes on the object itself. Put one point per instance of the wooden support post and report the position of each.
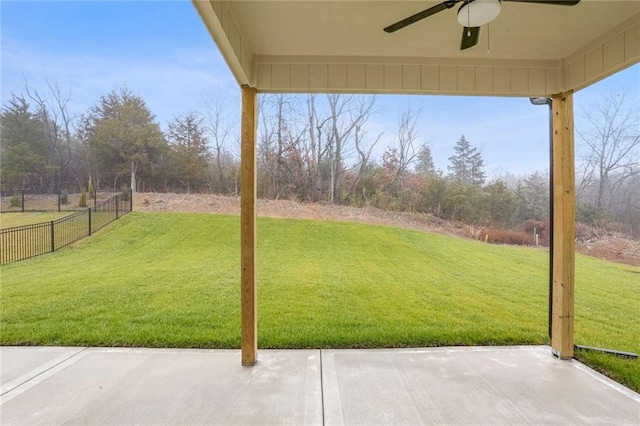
(564, 202)
(248, 195)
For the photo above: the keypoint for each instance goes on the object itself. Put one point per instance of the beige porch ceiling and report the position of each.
(339, 46)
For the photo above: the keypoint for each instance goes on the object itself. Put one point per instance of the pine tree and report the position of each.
(424, 160)
(23, 146)
(189, 150)
(499, 203)
(536, 196)
(478, 175)
(467, 165)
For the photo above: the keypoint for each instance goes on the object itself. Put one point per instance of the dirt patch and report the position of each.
(607, 245)
(216, 204)
(610, 246)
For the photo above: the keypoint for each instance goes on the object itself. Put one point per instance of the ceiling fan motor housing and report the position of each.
(476, 13)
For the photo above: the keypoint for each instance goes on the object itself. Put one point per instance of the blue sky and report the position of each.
(162, 52)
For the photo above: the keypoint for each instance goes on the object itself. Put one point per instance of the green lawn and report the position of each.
(17, 244)
(11, 219)
(173, 280)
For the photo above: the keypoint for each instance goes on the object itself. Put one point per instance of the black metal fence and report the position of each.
(23, 242)
(27, 201)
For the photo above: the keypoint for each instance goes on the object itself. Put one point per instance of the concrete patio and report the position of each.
(475, 385)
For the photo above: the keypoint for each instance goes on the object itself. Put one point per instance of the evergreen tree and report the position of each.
(424, 161)
(435, 193)
(189, 150)
(123, 136)
(23, 147)
(499, 203)
(467, 165)
(478, 175)
(462, 203)
(534, 193)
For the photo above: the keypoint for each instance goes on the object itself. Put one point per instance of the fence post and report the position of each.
(53, 239)
(117, 202)
(59, 195)
(22, 194)
(130, 199)
(95, 197)
(89, 221)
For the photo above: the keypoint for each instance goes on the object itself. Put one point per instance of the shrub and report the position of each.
(590, 215)
(500, 236)
(15, 201)
(63, 197)
(472, 232)
(539, 226)
(83, 199)
(92, 194)
(125, 193)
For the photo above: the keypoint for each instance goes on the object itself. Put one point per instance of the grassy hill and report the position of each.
(172, 280)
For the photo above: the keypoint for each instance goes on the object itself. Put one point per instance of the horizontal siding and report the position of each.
(614, 51)
(407, 78)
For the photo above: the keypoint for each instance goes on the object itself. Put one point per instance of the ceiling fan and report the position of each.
(471, 15)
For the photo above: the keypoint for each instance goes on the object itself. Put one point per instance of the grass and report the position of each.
(172, 280)
(34, 240)
(11, 219)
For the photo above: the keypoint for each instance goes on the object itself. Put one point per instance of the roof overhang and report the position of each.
(339, 46)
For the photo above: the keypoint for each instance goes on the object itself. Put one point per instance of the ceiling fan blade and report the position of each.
(469, 37)
(551, 2)
(420, 15)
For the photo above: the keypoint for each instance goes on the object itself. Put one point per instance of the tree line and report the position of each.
(310, 148)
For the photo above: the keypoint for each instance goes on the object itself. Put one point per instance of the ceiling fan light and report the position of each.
(477, 13)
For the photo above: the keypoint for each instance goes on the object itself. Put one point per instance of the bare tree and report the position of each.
(611, 139)
(317, 150)
(346, 114)
(337, 138)
(221, 125)
(282, 106)
(363, 145)
(265, 147)
(630, 206)
(406, 137)
(279, 138)
(52, 108)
